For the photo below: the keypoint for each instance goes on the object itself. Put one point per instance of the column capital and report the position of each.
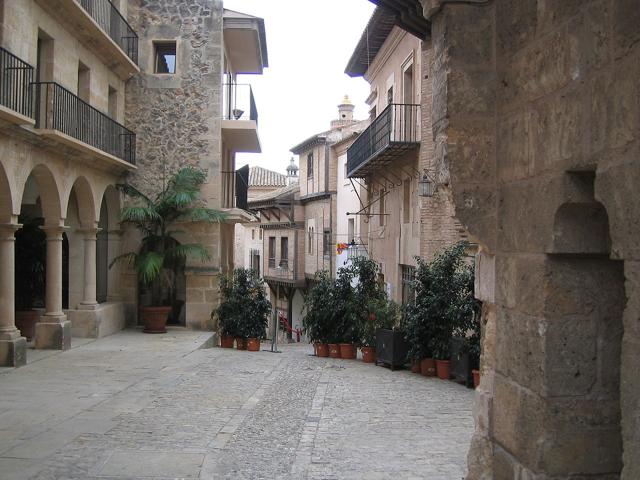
(90, 232)
(54, 232)
(8, 230)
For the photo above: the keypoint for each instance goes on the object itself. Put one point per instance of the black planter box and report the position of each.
(391, 348)
(460, 364)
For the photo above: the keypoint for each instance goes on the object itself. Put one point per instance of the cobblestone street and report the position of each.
(158, 406)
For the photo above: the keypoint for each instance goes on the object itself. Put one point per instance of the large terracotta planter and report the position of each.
(368, 354)
(443, 368)
(348, 351)
(322, 350)
(334, 350)
(241, 343)
(253, 344)
(26, 322)
(226, 341)
(155, 319)
(428, 367)
(476, 378)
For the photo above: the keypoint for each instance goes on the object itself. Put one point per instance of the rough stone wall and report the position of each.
(178, 123)
(536, 115)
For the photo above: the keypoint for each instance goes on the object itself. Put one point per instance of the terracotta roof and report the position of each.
(280, 193)
(261, 177)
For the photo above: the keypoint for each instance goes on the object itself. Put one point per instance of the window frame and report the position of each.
(161, 44)
(310, 165)
(272, 252)
(284, 252)
(326, 243)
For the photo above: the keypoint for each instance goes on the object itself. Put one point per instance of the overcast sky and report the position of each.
(309, 45)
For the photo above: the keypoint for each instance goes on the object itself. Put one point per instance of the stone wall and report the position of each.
(178, 121)
(536, 119)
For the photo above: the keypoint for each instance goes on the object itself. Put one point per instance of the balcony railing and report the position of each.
(239, 103)
(393, 132)
(114, 24)
(57, 108)
(15, 77)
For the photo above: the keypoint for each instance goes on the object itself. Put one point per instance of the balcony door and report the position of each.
(408, 119)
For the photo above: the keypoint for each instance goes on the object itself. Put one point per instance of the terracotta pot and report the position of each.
(322, 350)
(26, 322)
(348, 351)
(443, 367)
(476, 378)
(428, 367)
(155, 319)
(368, 354)
(226, 341)
(415, 367)
(334, 350)
(253, 344)
(241, 343)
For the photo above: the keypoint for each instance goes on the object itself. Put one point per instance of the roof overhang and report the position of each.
(245, 42)
(308, 143)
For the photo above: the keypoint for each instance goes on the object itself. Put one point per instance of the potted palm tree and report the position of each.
(319, 313)
(159, 218)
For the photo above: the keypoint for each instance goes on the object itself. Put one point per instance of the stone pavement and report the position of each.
(134, 406)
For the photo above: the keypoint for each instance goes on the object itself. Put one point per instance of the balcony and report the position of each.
(240, 119)
(393, 133)
(66, 119)
(284, 272)
(100, 26)
(15, 76)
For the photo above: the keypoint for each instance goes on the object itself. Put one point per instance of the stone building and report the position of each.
(248, 249)
(191, 108)
(73, 74)
(395, 153)
(535, 116)
(320, 157)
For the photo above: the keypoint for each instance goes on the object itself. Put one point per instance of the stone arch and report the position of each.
(49, 192)
(6, 197)
(581, 228)
(111, 200)
(85, 202)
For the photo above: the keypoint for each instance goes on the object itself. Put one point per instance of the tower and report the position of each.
(292, 172)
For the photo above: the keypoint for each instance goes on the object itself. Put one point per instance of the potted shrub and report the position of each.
(30, 256)
(382, 315)
(347, 314)
(244, 308)
(319, 314)
(159, 218)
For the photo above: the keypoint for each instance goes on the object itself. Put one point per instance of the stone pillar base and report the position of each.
(53, 336)
(13, 353)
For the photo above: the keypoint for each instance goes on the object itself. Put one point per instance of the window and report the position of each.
(272, 252)
(408, 275)
(310, 240)
(260, 234)
(255, 261)
(84, 82)
(351, 229)
(113, 102)
(310, 165)
(381, 207)
(165, 57)
(390, 96)
(406, 202)
(253, 234)
(284, 252)
(326, 243)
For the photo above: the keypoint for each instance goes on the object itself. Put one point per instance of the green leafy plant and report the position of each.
(319, 319)
(244, 308)
(158, 219)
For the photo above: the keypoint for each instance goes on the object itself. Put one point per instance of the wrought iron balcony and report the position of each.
(15, 77)
(239, 103)
(56, 108)
(395, 131)
(109, 18)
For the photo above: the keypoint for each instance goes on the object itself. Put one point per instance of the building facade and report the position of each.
(395, 153)
(77, 79)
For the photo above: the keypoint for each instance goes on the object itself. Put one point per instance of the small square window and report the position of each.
(165, 57)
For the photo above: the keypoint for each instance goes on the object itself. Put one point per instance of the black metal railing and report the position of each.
(15, 77)
(238, 102)
(114, 24)
(396, 124)
(56, 108)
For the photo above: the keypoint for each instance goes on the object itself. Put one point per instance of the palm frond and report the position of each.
(188, 250)
(129, 257)
(149, 265)
(139, 215)
(202, 214)
(133, 192)
(187, 179)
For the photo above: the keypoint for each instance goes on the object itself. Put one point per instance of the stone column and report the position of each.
(114, 247)
(89, 301)
(13, 347)
(54, 331)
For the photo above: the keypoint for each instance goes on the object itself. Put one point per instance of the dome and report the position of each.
(292, 166)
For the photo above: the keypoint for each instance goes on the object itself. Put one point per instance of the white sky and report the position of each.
(309, 45)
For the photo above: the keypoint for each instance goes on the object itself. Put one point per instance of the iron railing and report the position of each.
(397, 124)
(239, 103)
(15, 77)
(57, 108)
(114, 24)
